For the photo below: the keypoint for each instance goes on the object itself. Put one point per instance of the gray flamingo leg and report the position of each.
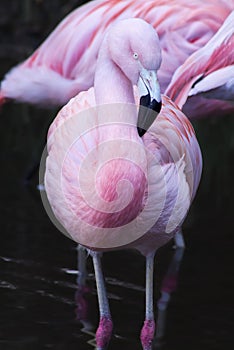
(148, 329)
(104, 331)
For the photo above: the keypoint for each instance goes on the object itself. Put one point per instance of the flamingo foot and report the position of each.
(104, 332)
(147, 334)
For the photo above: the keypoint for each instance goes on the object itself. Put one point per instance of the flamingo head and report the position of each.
(135, 49)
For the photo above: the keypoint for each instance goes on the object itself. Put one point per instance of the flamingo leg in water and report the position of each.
(82, 257)
(105, 327)
(82, 270)
(148, 329)
(179, 240)
(82, 289)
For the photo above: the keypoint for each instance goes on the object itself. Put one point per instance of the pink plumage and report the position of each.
(65, 63)
(109, 187)
(207, 76)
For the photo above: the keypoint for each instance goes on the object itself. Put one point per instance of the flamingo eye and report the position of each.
(135, 55)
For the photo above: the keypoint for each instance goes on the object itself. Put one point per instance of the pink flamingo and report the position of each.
(207, 76)
(65, 63)
(111, 184)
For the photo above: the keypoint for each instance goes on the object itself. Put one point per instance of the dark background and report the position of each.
(38, 265)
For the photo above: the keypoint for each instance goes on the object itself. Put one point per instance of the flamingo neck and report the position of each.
(110, 84)
(120, 183)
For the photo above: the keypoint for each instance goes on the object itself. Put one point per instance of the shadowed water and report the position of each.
(40, 305)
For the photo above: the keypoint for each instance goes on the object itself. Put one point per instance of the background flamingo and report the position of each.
(163, 167)
(207, 76)
(65, 63)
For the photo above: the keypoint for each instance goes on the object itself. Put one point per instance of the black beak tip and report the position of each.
(147, 115)
(141, 132)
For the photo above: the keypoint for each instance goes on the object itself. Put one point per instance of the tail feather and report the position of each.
(38, 85)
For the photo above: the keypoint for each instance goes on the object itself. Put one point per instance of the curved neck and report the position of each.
(110, 84)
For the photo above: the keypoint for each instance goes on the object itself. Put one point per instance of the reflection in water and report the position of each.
(81, 300)
(169, 285)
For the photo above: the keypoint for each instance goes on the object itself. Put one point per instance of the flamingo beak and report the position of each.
(150, 100)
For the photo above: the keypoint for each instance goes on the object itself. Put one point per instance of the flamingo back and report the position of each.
(65, 62)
